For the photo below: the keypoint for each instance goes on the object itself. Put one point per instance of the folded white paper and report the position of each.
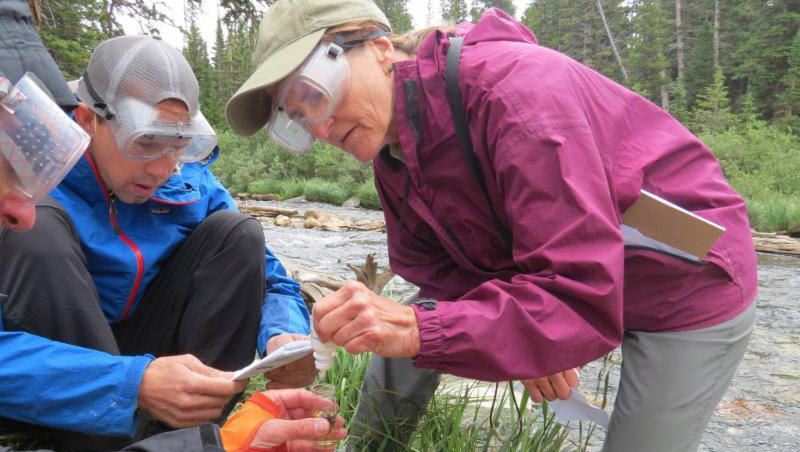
(289, 352)
(576, 408)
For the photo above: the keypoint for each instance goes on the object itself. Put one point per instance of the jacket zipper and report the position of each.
(112, 216)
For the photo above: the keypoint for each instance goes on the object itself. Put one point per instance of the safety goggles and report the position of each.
(37, 139)
(310, 94)
(143, 133)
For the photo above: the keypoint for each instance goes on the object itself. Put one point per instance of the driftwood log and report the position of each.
(771, 242)
(315, 285)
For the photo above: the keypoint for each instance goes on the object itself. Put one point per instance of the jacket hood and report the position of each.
(495, 25)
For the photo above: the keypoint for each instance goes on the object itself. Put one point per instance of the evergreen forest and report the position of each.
(729, 70)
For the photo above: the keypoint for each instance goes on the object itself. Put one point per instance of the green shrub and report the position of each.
(266, 186)
(776, 213)
(292, 188)
(321, 190)
(762, 163)
(368, 196)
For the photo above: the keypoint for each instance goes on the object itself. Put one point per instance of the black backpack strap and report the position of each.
(460, 121)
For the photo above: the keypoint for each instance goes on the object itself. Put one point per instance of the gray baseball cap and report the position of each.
(288, 33)
(140, 67)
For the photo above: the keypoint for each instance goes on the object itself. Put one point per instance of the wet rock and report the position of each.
(352, 202)
(369, 225)
(282, 220)
(311, 223)
(794, 230)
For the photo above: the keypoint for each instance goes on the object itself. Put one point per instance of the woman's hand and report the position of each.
(359, 320)
(556, 386)
(297, 426)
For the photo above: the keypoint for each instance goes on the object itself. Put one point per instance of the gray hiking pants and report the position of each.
(669, 385)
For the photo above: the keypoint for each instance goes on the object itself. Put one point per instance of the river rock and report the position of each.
(794, 230)
(352, 202)
(282, 220)
(311, 223)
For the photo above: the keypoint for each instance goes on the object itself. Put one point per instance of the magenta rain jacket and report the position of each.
(564, 151)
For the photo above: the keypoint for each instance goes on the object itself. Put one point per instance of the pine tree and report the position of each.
(479, 6)
(195, 51)
(789, 100)
(397, 13)
(712, 114)
(454, 11)
(576, 28)
(679, 108)
(71, 30)
(748, 114)
(650, 67)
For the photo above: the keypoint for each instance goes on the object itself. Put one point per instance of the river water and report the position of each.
(761, 410)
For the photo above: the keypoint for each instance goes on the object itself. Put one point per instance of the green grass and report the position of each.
(459, 420)
(762, 163)
(455, 420)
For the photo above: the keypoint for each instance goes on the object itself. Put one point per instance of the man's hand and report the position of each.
(295, 374)
(556, 386)
(359, 320)
(183, 392)
(298, 428)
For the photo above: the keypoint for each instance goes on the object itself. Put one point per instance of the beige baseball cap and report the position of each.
(288, 33)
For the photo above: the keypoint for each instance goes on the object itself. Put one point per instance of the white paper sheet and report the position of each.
(576, 408)
(289, 352)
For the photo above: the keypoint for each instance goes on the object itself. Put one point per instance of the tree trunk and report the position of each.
(679, 40)
(611, 41)
(586, 32)
(716, 35)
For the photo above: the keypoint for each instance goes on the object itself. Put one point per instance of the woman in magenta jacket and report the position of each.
(532, 279)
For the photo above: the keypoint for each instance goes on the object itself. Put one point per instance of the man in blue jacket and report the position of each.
(141, 253)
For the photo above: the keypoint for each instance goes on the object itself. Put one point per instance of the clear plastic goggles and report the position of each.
(144, 133)
(309, 96)
(38, 140)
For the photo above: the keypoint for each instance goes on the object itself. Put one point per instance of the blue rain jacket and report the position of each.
(75, 388)
(125, 246)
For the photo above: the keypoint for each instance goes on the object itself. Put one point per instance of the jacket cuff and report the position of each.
(431, 335)
(128, 391)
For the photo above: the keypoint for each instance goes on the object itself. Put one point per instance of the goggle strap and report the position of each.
(106, 109)
(341, 41)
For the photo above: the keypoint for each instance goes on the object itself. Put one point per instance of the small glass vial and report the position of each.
(327, 391)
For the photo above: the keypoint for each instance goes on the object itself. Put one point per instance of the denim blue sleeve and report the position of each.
(284, 310)
(60, 385)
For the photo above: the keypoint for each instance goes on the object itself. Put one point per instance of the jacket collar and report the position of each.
(85, 181)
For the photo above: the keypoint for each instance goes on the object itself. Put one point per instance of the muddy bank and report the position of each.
(760, 411)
